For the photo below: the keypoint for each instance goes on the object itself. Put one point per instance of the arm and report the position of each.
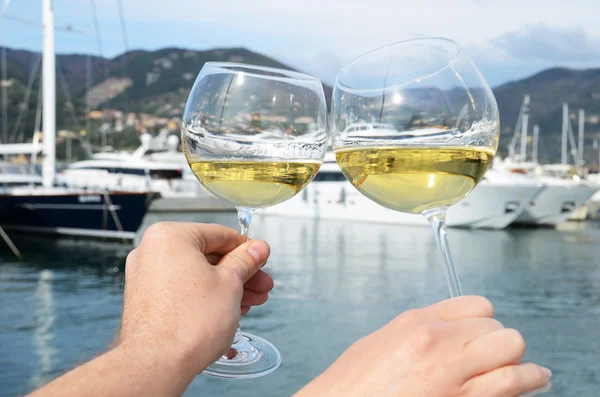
(186, 286)
(123, 371)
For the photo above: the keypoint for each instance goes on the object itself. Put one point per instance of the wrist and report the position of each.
(165, 366)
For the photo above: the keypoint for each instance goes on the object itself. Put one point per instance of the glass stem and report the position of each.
(244, 219)
(437, 219)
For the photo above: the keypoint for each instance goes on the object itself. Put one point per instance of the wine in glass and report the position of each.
(415, 128)
(254, 136)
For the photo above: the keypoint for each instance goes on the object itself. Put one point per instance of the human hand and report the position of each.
(186, 286)
(451, 349)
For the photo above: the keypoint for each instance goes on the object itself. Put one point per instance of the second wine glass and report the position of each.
(415, 128)
(254, 136)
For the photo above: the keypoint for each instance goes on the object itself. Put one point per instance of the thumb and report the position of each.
(246, 259)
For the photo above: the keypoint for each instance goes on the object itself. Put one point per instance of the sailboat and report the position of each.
(562, 196)
(41, 206)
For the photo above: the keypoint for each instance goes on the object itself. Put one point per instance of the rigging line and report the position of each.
(31, 22)
(572, 144)
(5, 7)
(4, 84)
(100, 51)
(25, 108)
(97, 35)
(22, 20)
(124, 56)
(38, 117)
(65, 88)
(123, 27)
(88, 87)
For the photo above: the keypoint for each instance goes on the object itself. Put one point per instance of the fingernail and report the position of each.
(546, 372)
(259, 251)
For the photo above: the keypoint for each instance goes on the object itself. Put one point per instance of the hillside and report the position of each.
(548, 90)
(158, 82)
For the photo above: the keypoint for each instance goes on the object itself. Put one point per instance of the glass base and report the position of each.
(250, 357)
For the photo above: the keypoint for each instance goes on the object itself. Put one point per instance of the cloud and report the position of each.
(550, 44)
(507, 39)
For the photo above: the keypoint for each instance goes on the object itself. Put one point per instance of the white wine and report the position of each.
(254, 184)
(414, 179)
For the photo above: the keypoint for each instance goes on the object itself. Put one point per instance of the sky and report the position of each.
(507, 40)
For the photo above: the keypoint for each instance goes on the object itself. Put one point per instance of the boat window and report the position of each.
(13, 169)
(166, 174)
(117, 170)
(329, 177)
(127, 171)
(20, 184)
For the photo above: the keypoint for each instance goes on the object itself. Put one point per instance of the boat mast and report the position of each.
(512, 147)
(49, 95)
(524, 128)
(580, 140)
(565, 130)
(534, 151)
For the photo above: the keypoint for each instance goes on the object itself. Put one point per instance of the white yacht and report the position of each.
(559, 200)
(563, 195)
(130, 174)
(595, 200)
(495, 203)
(154, 165)
(17, 175)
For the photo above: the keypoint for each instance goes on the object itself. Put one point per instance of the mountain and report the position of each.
(158, 83)
(549, 89)
(155, 82)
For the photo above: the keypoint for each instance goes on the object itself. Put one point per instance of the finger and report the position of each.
(252, 298)
(494, 350)
(208, 238)
(260, 282)
(508, 381)
(454, 309)
(212, 238)
(246, 259)
(472, 328)
(213, 259)
(245, 309)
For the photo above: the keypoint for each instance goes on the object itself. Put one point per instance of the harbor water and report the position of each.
(335, 282)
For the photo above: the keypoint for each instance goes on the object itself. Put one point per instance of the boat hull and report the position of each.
(555, 204)
(110, 215)
(488, 206)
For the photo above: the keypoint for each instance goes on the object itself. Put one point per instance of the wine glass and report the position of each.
(254, 136)
(415, 128)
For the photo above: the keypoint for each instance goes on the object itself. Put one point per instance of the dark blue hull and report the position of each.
(112, 215)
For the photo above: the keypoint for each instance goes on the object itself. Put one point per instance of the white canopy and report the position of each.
(20, 148)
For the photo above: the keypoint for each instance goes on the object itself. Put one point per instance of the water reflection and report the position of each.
(43, 336)
(335, 281)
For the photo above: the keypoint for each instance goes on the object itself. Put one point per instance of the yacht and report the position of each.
(563, 195)
(131, 174)
(494, 204)
(27, 205)
(18, 175)
(559, 200)
(156, 165)
(594, 209)
(34, 204)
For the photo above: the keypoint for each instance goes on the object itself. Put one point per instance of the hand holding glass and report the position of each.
(254, 136)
